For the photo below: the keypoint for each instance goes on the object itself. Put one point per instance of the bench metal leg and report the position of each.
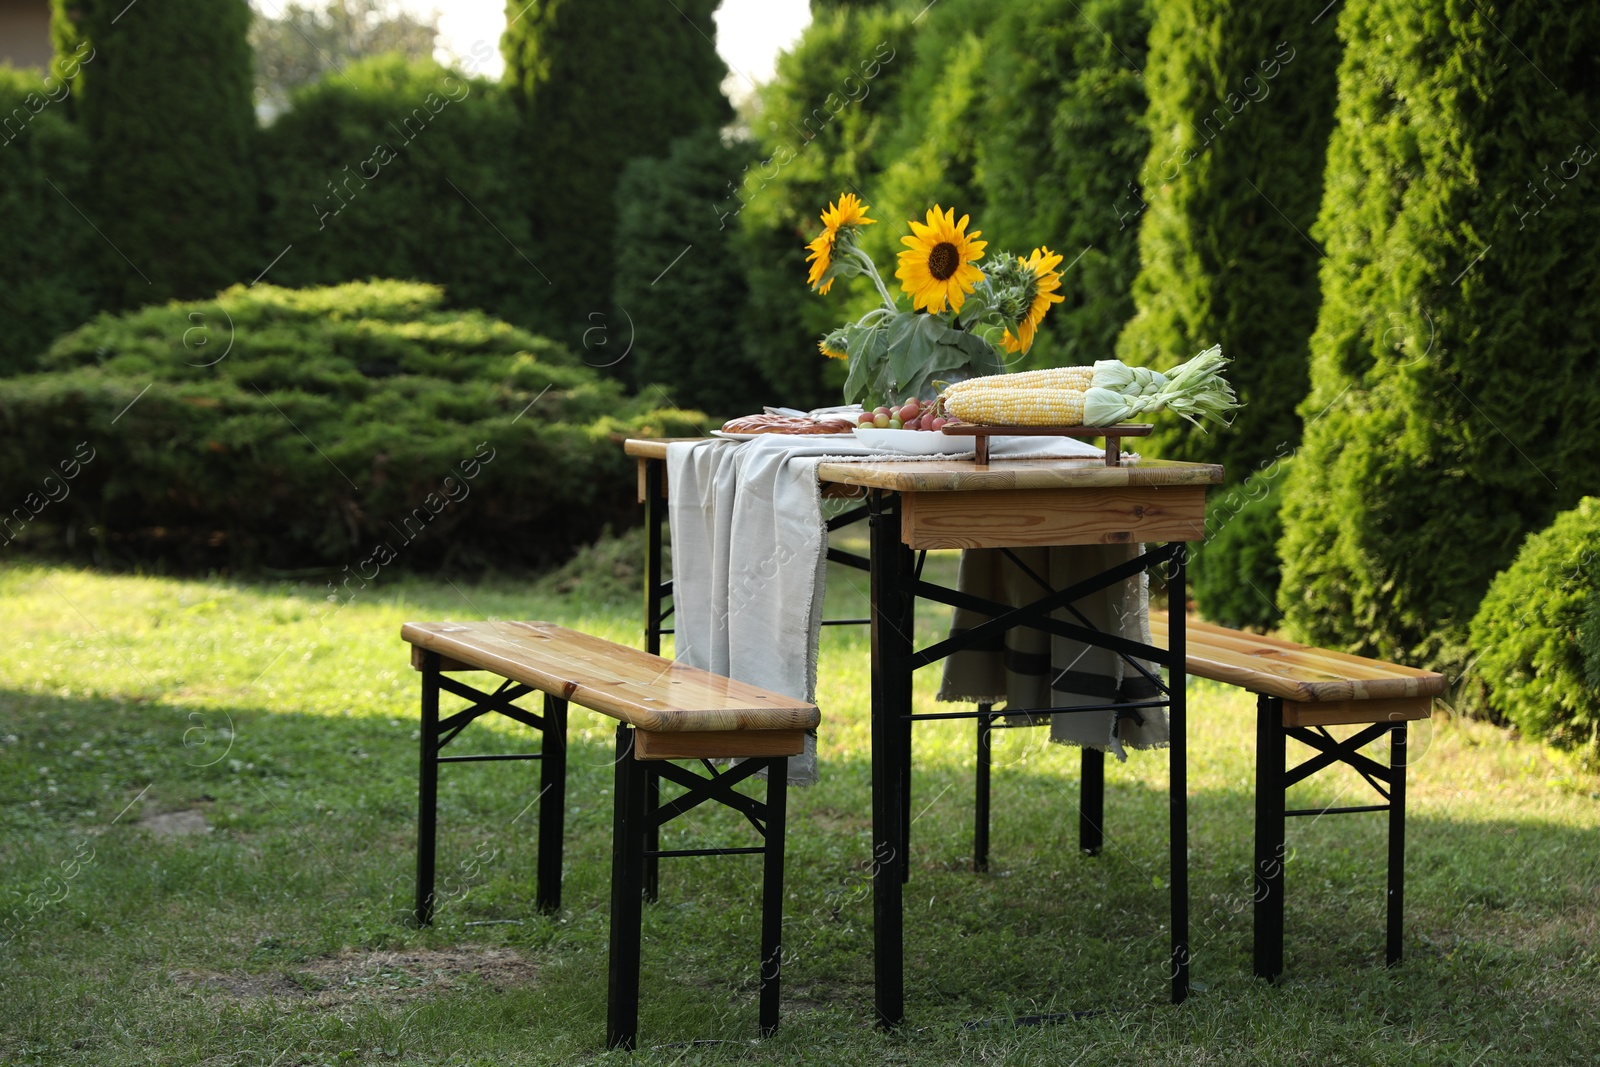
(1270, 756)
(1397, 840)
(552, 803)
(1092, 802)
(772, 894)
(427, 789)
(627, 892)
(980, 799)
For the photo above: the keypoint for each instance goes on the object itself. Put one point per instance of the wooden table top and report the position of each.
(965, 474)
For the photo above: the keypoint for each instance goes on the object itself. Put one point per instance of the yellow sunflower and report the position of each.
(1046, 280)
(849, 211)
(830, 351)
(937, 267)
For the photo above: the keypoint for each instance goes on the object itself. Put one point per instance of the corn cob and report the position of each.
(1001, 404)
(1079, 378)
(1103, 395)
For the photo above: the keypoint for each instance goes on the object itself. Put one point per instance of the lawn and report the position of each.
(207, 798)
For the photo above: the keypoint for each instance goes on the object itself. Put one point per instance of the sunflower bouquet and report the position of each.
(963, 320)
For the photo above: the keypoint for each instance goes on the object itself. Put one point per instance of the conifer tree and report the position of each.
(164, 93)
(1241, 104)
(601, 82)
(1454, 404)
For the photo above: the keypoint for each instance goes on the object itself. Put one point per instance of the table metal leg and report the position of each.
(1092, 801)
(905, 798)
(1270, 755)
(772, 894)
(1397, 841)
(891, 702)
(655, 516)
(1179, 788)
(980, 799)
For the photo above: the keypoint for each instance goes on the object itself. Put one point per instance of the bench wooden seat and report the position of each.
(665, 711)
(1319, 687)
(656, 696)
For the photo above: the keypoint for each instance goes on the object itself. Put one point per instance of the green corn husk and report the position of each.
(1195, 390)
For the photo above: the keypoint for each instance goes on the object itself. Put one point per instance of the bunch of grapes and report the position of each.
(914, 414)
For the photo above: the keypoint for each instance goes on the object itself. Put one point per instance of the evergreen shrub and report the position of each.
(1063, 135)
(1535, 634)
(1235, 571)
(1454, 406)
(404, 169)
(354, 426)
(46, 286)
(823, 124)
(680, 288)
(166, 100)
(1241, 104)
(598, 83)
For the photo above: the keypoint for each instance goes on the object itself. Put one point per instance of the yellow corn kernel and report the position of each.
(1001, 404)
(1079, 378)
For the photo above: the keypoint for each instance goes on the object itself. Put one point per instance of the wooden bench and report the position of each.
(1300, 692)
(666, 711)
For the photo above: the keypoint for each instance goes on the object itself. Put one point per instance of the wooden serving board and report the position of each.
(1112, 434)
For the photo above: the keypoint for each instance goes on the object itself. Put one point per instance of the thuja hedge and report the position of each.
(1241, 103)
(165, 97)
(1236, 570)
(1537, 632)
(352, 428)
(1454, 404)
(679, 292)
(46, 284)
(403, 169)
(598, 83)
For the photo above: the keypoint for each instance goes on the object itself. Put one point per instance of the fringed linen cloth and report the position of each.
(1027, 669)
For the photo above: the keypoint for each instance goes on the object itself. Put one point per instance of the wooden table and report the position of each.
(921, 505)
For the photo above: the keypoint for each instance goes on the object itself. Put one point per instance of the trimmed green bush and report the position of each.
(1241, 104)
(166, 102)
(680, 289)
(1062, 134)
(1235, 572)
(1028, 117)
(1589, 638)
(600, 82)
(46, 286)
(1535, 634)
(359, 426)
(1454, 404)
(823, 124)
(404, 169)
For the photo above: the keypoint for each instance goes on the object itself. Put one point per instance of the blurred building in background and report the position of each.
(25, 33)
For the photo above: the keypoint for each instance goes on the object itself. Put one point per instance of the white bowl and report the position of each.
(912, 442)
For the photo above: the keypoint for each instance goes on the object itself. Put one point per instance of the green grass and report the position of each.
(278, 936)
